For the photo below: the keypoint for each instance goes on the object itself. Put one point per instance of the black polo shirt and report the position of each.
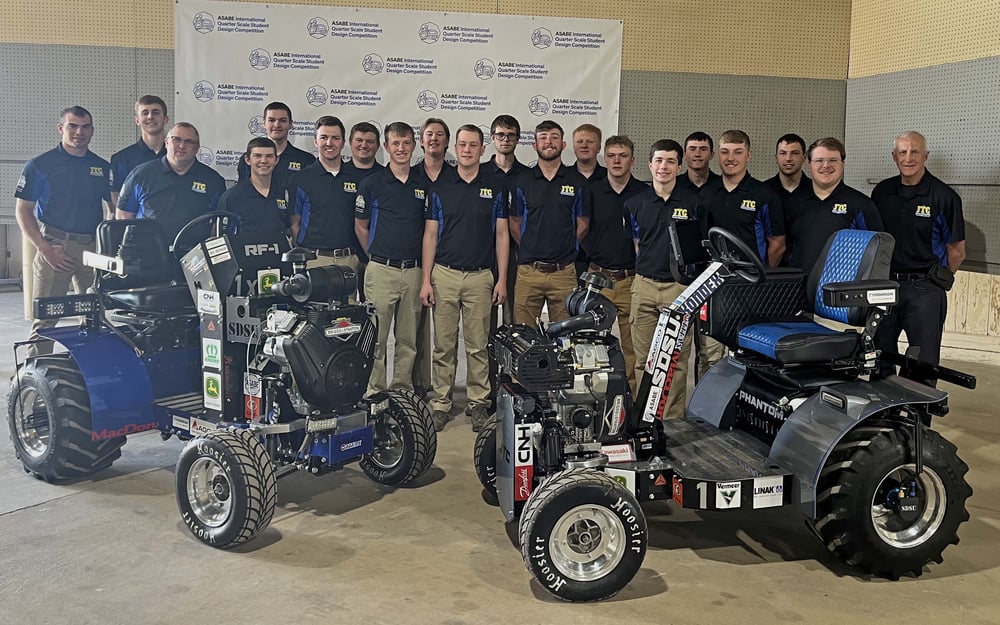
(259, 215)
(705, 191)
(155, 191)
(650, 217)
(599, 172)
(67, 190)
(291, 161)
(811, 221)
(609, 240)
(124, 161)
(924, 218)
(395, 213)
(515, 169)
(325, 205)
(467, 214)
(779, 189)
(548, 210)
(751, 211)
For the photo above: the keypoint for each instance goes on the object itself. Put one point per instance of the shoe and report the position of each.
(441, 419)
(479, 416)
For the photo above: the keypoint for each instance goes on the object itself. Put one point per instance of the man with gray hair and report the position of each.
(925, 216)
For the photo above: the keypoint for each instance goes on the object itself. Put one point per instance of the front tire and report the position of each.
(226, 487)
(48, 411)
(404, 439)
(583, 536)
(484, 455)
(865, 516)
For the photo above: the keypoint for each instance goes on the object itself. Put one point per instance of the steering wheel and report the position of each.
(190, 226)
(735, 255)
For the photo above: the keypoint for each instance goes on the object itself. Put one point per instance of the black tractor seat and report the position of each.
(173, 298)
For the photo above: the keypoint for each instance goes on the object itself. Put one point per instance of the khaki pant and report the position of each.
(396, 295)
(47, 282)
(621, 296)
(648, 297)
(536, 289)
(421, 377)
(469, 295)
(709, 350)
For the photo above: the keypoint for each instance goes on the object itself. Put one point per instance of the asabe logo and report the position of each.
(429, 32)
(316, 95)
(317, 28)
(427, 100)
(204, 156)
(372, 64)
(541, 38)
(260, 59)
(485, 68)
(204, 22)
(204, 91)
(538, 105)
(256, 126)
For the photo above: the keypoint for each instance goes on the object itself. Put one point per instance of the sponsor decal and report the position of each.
(199, 426)
(342, 329)
(211, 353)
(624, 477)
(881, 296)
(210, 328)
(203, 91)
(252, 384)
(213, 391)
(131, 428)
(614, 418)
(524, 468)
(727, 495)
(429, 32)
(768, 492)
(350, 445)
(203, 22)
(251, 407)
(359, 202)
(678, 491)
(181, 423)
(266, 279)
(209, 302)
(665, 362)
(923, 211)
(618, 453)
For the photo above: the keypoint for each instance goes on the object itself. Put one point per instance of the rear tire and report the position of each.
(862, 517)
(484, 456)
(405, 442)
(583, 536)
(226, 487)
(48, 411)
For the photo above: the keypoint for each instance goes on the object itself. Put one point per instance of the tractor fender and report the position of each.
(121, 395)
(808, 437)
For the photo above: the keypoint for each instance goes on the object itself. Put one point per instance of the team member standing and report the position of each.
(609, 240)
(174, 189)
(654, 288)
(925, 216)
(389, 223)
(60, 200)
(699, 150)
(586, 145)
(550, 214)
(790, 155)
(364, 145)
(260, 206)
(815, 212)
(277, 124)
(466, 232)
(323, 198)
(151, 118)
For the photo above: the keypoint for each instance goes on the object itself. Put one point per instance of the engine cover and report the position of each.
(532, 358)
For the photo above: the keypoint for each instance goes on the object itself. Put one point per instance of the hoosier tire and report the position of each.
(484, 455)
(864, 516)
(405, 442)
(226, 487)
(583, 536)
(48, 411)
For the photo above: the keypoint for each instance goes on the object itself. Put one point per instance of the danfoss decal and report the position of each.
(131, 428)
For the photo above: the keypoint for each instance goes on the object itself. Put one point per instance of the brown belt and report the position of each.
(614, 274)
(548, 267)
(61, 235)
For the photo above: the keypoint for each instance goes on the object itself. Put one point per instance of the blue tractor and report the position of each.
(800, 414)
(260, 363)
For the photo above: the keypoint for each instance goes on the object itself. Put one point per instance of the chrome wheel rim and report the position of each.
(210, 492)
(31, 423)
(388, 444)
(933, 502)
(587, 543)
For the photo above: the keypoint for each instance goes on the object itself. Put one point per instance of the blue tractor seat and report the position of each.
(849, 256)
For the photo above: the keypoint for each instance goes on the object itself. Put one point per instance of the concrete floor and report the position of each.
(342, 549)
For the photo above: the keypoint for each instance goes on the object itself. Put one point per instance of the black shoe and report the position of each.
(479, 415)
(441, 419)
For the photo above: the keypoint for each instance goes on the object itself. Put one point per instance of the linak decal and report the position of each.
(524, 467)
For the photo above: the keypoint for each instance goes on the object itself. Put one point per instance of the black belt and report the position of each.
(657, 280)
(343, 252)
(614, 274)
(906, 277)
(463, 269)
(409, 263)
(61, 235)
(544, 267)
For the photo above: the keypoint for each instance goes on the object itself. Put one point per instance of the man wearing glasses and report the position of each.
(825, 206)
(174, 189)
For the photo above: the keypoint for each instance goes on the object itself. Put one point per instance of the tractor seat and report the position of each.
(175, 298)
(849, 255)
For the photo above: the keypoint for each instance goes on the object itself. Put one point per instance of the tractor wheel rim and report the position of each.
(31, 423)
(210, 492)
(388, 444)
(932, 506)
(587, 543)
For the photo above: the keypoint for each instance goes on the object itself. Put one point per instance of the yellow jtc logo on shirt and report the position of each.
(568, 189)
(350, 187)
(282, 204)
(419, 194)
(199, 187)
(294, 166)
(749, 205)
(923, 211)
(680, 213)
(839, 209)
(486, 193)
(96, 171)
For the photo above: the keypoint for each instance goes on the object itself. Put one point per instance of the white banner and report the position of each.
(381, 65)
